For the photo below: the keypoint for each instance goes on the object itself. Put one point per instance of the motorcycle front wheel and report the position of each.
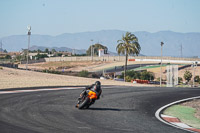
(84, 103)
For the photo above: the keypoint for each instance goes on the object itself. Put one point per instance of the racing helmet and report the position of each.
(98, 83)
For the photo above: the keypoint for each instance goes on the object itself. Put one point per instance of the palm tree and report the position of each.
(127, 46)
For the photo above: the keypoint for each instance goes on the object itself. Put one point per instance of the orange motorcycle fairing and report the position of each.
(92, 95)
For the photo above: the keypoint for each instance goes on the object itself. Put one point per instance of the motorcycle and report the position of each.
(87, 98)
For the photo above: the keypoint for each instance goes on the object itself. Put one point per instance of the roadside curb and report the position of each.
(177, 122)
(173, 121)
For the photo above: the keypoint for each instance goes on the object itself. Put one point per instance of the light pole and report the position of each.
(161, 65)
(29, 34)
(194, 65)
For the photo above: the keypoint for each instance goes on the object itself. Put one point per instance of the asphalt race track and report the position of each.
(121, 109)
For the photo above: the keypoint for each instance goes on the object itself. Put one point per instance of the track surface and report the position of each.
(122, 109)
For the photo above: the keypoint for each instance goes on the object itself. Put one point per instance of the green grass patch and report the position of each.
(185, 114)
(149, 67)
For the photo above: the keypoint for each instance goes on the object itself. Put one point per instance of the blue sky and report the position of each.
(54, 17)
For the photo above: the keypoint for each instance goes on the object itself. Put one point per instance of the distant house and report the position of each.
(103, 52)
(14, 54)
(2, 55)
(65, 53)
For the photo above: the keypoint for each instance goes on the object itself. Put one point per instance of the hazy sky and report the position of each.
(54, 17)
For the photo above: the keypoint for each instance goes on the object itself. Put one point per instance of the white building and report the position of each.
(101, 52)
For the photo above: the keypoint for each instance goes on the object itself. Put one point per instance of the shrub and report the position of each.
(84, 73)
(138, 75)
(51, 71)
(187, 76)
(1, 68)
(147, 76)
(197, 79)
(128, 79)
(180, 80)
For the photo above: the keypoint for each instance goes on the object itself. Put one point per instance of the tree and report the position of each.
(8, 57)
(53, 50)
(96, 48)
(46, 50)
(127, 46)
(187, 76)
(147, 75)
(5, 51)
(39, 51)
(39, 56)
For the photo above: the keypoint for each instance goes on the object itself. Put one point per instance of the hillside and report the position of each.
(150, 42)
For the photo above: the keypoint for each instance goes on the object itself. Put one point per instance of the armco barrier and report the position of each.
(131, 59)
(140, 81)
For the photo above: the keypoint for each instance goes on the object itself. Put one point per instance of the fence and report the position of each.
(116, 58)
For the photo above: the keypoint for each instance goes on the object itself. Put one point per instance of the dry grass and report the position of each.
(194, 104)
(14, 78)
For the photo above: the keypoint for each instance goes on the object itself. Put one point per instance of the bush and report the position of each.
(180, 80)
(84, 73)
(39, 56)
(137, 75)
(128, 79)
(147, 76)
(187, 76)
(1, 68)
(8, 57)
(197, 79)
(51, 71)
(94, 75)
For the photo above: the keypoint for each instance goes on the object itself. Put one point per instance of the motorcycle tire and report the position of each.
(84, 103)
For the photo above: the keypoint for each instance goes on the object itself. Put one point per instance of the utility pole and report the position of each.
(181, 50)
(29, 34)
(1, 47)
(161, 65)
(92, 50)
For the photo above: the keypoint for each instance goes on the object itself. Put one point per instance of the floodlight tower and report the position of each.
(161, 65)
(29, 34)
(194, 65)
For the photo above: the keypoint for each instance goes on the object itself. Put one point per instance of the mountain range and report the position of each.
(175, 44)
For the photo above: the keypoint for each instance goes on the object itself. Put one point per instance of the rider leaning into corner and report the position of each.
(94, 87)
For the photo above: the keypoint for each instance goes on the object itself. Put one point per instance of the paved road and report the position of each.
(129, 67)
(122, 109)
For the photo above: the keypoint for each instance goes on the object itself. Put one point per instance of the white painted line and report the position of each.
(162, 115)
(47, 89)
(183, 125)
(35, 90)
(157, 114)
(84, 127)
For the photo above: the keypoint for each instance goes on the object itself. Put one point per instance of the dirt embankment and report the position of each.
(14, 78)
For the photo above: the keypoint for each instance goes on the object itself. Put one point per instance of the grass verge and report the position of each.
(185, 114)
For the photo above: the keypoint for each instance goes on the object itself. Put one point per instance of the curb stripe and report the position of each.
(171, 119)
(179, 125)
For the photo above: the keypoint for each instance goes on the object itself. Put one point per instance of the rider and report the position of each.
(94, 87)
